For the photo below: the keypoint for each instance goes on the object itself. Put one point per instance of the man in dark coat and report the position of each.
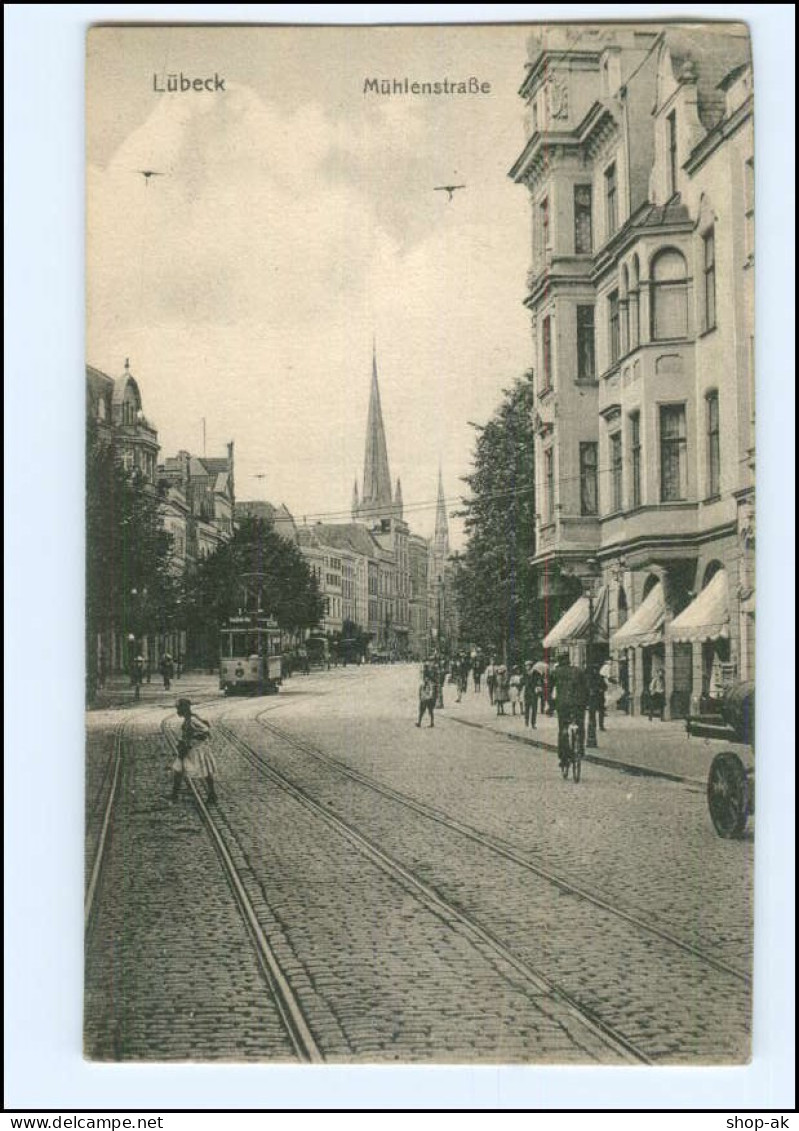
(530, 691)
(571, 700)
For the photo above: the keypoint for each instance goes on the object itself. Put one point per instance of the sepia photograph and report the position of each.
(420, 395)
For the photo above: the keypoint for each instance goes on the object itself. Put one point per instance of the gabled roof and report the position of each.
(216, 465)
(347, 536)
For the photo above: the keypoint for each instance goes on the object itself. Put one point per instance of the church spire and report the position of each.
(376, 496)
(398, 499)
(441, 537)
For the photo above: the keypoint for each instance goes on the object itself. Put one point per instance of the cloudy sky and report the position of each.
(294, 220)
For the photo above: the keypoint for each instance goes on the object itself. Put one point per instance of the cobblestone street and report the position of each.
(428, 895)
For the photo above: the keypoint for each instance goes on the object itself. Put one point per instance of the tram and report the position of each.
(250, 655)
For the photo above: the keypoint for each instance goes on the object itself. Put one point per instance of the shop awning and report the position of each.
(708, 615)
(645, 626)
(573, 625)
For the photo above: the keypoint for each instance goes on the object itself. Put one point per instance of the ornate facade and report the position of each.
(639, 165)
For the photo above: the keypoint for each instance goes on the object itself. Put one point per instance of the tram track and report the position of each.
(112, 769)
(538, 984)
(504, 851)
(114, 766)
(289, 1008)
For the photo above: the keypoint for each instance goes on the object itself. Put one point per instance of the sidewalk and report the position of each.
(118, 690)
(630, 743)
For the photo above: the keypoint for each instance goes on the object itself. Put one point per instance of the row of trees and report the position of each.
(135, 588)
(496, 584)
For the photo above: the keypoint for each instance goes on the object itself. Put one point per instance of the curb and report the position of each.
(596, 759)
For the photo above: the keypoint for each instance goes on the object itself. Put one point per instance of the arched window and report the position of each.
(102, 411)
(669, 296)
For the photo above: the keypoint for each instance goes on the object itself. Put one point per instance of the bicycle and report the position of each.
(571, 753)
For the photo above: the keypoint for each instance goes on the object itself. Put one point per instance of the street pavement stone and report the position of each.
(612, 967)
(401, 982)
(644, 843)
(170, 968)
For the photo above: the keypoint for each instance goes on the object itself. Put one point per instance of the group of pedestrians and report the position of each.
(524, 690)
(141, 672)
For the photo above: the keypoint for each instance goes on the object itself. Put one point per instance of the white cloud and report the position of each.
(246, 283)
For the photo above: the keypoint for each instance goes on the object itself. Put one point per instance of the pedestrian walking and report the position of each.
(167, 668)
(501, 689)
(137, 675)
(530, 693)
(657, 694)
(515, 691)
(427, 696)
(477, 672)
(491, 680)
(597, 690)
(192, 759)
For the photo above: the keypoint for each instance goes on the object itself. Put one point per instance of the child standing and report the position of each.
(191, 761)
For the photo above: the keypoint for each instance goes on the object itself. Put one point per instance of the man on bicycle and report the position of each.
(571, 702)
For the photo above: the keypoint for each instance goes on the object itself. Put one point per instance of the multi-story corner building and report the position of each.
(115, 414)
(639, 168)
(114, 406)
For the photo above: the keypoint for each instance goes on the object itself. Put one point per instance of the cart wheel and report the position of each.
(728, 795)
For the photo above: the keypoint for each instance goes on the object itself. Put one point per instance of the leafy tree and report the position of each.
(495, 582)
(130, 584)
(256, 568)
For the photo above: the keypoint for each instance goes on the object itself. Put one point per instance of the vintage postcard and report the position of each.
(420, 396)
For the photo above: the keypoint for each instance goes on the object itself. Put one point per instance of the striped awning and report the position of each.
(645, 626)
(573, 625)
(708, 615)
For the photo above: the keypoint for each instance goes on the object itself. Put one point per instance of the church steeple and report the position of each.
(376, 495)
(441, 536)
